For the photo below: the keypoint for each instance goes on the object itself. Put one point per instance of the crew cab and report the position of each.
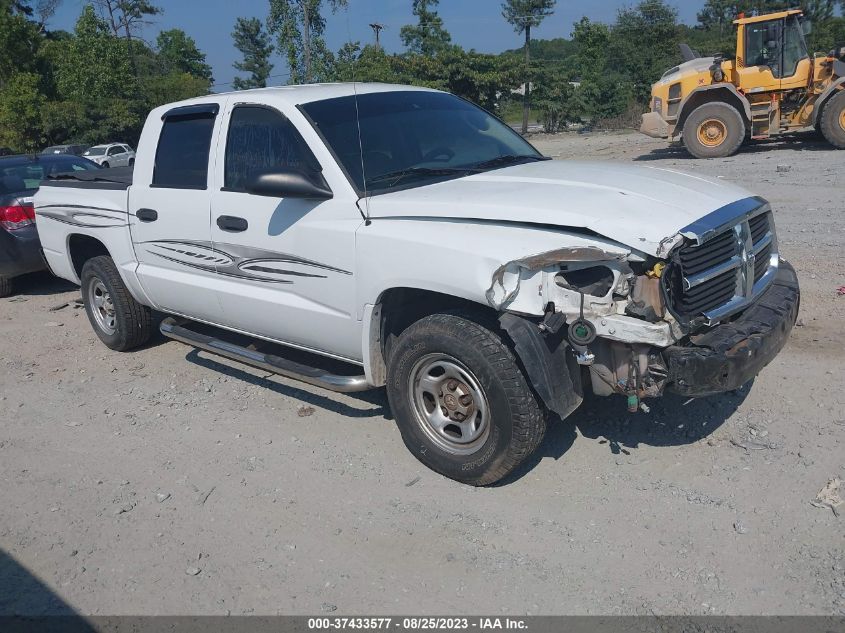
(425, 247)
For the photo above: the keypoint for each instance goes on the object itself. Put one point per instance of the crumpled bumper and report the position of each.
(729, 355)
(654, 125)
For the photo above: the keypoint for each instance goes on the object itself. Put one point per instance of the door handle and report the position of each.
(147, 215)
(232, 224)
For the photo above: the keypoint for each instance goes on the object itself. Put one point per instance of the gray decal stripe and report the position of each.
(264, 269)
(84, 225)
(225, 274)
(79, 206)
(216, 260)
(246, 255)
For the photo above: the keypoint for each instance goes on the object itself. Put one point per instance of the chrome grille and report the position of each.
(721, 269)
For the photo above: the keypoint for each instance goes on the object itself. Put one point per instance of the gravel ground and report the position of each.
(169, 482)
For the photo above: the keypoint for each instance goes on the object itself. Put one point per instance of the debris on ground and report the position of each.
(783, 169)
(57, 307)
(829, 496)
(304, 411)
(161, 497)
(193, 571)
(412, 482)
(203, 496)
(841, 291)
(740, 527)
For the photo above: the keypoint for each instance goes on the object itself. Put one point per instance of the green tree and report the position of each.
(21, 102)
(427, 36)
(298, 26)
(255, 46)
(19, 41)
(124, 16)
(644, 44)
(524, 15)
(557, 100)
(178, 52)
(93, 65)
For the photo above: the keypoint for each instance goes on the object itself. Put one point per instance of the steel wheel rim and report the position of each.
(102, 307)
(712, 132)
(842, 119)
(442, 391)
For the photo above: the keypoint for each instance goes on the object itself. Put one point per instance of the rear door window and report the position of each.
(183, 149)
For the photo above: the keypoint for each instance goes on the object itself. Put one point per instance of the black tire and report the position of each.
(723, 118)
(106, 165)
(833, 120)
(133, 322)
(131, 162)
(515, 423)
(6, 286)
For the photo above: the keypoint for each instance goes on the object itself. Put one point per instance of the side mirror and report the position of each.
(291, 183)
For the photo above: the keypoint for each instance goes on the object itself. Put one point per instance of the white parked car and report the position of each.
(111, 155)
(435, 252)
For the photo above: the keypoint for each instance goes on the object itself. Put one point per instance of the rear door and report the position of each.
(170, 200)
(290, 262)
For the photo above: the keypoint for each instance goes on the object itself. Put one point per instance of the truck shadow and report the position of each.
(795, 142)
(373, 403)
(41, 284)
(672, 421)
(27, 604)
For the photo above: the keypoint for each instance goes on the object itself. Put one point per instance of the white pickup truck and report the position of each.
(427, 246)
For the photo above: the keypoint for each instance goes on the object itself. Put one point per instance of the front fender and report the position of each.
(491, 264)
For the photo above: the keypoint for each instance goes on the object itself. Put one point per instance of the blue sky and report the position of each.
(474, 24)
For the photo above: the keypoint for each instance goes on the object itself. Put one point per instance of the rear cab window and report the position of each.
(184, 145)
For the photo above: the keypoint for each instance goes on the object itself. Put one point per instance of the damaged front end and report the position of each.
(602, 307)
(616, 313)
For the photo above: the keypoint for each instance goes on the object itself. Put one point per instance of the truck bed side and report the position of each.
(84, 216)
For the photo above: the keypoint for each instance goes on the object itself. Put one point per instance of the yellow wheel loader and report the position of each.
(772, 86)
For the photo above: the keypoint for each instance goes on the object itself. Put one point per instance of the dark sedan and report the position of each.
(20, 177)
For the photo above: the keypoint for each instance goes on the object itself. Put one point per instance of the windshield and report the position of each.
(95, 151)
(414, 138)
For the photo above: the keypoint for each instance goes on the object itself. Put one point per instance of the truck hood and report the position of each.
(640, 207)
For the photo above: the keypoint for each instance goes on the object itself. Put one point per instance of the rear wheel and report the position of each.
(5, 287)
(833, 120)
(121, 322)
(714, 130)
(461, 402)
(106, 165)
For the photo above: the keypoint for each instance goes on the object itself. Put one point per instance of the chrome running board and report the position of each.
(171, 328)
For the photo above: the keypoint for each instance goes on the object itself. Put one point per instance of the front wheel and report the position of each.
(833, 120)
(121, 322)
(714, 130)
(460, 400)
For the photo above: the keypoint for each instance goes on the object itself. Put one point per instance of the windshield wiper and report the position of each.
(420, 171)
(508, 159)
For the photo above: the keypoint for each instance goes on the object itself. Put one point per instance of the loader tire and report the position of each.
(833, 120)
(714, 130)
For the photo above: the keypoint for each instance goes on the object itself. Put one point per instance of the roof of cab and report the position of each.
(305, 93)
(769, 16)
